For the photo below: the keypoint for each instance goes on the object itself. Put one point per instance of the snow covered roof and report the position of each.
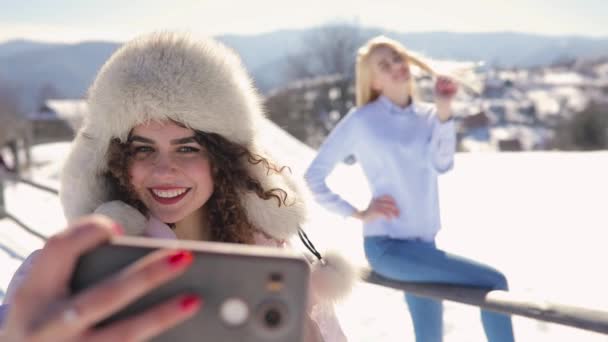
(513, 75)
(528, 136)
(473, 145)
(574, 97)
(602, 69)
(545, 103)
(564, 78)
(71, 111)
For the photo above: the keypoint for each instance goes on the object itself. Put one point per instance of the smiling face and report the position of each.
(389, 69)
(169, 170)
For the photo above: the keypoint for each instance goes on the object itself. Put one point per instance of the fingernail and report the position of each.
(118, 229)
(180, 259)
(190, 303)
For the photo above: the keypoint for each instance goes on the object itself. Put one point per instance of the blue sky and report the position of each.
(120, 20)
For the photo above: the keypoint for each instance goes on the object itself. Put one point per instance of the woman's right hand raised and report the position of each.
(380, 207)
(43, 310)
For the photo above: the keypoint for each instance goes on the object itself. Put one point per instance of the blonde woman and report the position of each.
(402, 146)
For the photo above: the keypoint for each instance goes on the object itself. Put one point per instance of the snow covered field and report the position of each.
(539, 217)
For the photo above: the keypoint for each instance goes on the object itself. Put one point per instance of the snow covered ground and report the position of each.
(539, 217)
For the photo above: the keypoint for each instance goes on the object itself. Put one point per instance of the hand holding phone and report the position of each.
(249, 293)
(41, 309)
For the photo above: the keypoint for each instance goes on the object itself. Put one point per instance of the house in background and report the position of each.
(57, 120)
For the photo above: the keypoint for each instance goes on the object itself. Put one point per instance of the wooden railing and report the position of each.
(501, 301)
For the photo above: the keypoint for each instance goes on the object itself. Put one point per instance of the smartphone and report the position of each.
(250, 293)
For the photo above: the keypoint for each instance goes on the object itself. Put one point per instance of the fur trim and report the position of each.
(83, 189)
(278, 220)
(132, 221)
(199, 83)
(333, 279)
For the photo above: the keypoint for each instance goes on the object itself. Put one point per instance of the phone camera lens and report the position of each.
(276, 277)
(273, 318)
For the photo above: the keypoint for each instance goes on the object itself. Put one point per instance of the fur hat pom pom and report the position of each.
(333, 278)
(133, 222)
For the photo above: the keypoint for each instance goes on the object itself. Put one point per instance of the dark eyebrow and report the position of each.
(186, 140)
(180, 141)
(140, 139)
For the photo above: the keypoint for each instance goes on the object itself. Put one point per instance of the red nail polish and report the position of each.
(180, 259)
(190, 303)
(118, 230)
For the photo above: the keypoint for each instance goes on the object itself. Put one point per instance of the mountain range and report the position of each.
(39, 69)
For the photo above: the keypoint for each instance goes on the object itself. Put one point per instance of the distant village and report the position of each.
(517, 109)
(523, 109)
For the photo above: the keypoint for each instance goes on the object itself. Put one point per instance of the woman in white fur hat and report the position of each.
(170, 150)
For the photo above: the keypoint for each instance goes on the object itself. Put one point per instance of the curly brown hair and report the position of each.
(228, 221)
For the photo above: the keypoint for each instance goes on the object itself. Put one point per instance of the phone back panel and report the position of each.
(273, 286)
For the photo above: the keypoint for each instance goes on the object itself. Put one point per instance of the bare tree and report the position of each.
(47, 92)
(587, 130)
(319, 77)
(328, 50)
(15, 130)
(9, 111)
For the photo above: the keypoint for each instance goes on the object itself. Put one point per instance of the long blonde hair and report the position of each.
(363, 74)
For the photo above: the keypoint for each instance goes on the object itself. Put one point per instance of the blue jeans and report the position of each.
(419, 261)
